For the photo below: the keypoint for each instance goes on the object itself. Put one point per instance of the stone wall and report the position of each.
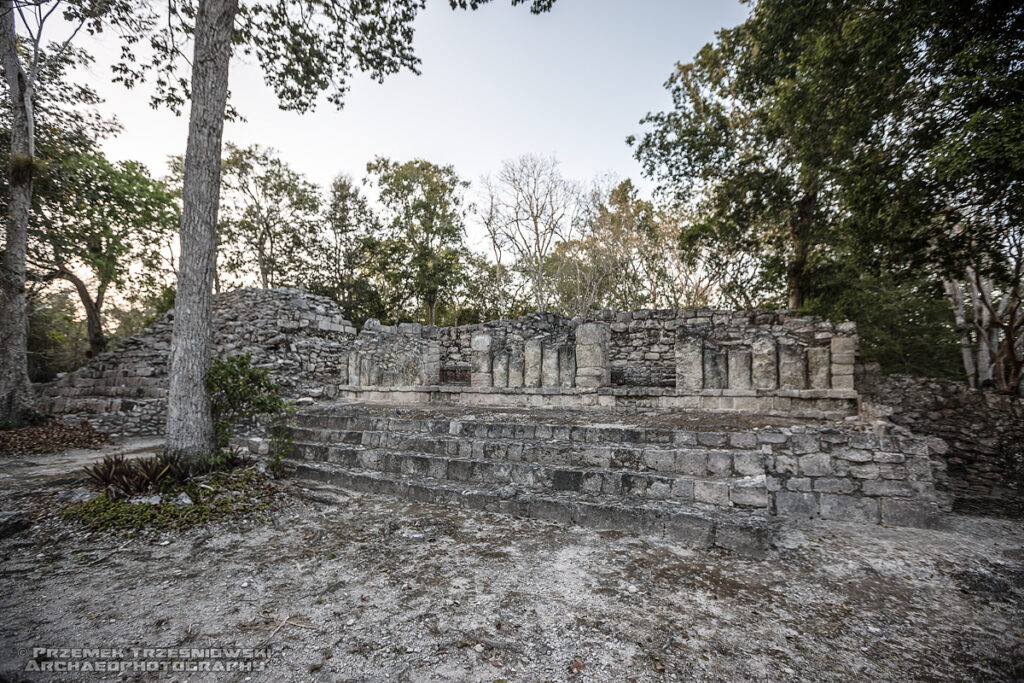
(979, 434)
(509, 338)
(393, 356)
(301, 339)
(695, 350)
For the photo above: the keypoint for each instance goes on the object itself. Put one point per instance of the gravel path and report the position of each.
(349, 587)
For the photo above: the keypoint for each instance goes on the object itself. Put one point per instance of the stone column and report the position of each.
(715, 369)
(516, 366)
(566, 366)
(818, 367)
(499, 369)
(763, 363)
(739, 369)
(592, 355)
(844, 354)
(549, 365)
(532, 361)
(792, 367)
(480, 373)
(689, 363)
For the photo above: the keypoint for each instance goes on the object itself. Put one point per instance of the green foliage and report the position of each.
(419, 259)
(240, 392)
(119, 476)
(223, 495)
(268, 217)
(57, 337)
(342, 249)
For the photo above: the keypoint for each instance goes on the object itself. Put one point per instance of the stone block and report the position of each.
(749, 496)
(792, 367)
(841, 345)
(849, 508)
(689, 352)
(690, 528)
(793, 504)
(739, 369)
(748, 464)
(716, 370)
(692, 462)
(869, 471)
(842, 381)
(887, 487)
(910, 513)
(591, 356)
(834, 485)
(818, 365)
(816, 465)
(720, 463)
(764, 372)
(711, 492)
(532, 362)
(593, 333)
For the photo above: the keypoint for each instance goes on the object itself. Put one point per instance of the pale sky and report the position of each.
(495, 84)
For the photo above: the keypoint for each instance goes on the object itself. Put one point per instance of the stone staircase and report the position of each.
(712, 481)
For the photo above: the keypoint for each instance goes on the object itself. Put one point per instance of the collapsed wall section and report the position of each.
(303, 340)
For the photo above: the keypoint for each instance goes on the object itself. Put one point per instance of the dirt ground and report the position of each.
(336, 586)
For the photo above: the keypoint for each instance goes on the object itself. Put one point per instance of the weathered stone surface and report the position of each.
(716, 371)
(689, 352)
(849, 508)
(549, 367)
(499, 369)
(794, 504)
(792, 367)
(818, 364)
(740, 369)
(516, 368)
(711, 492)
(566, 366)
(532, 362)
(764, 369)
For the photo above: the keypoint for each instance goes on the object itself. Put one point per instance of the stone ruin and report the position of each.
(707, 426)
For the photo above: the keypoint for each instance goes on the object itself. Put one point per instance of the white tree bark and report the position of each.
(189, 422)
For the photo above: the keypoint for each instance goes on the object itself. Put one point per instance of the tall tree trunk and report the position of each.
(799, 236)
(189, 421)
(15, 388)
(93, 321)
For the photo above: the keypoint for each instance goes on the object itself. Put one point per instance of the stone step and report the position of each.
(721, 491)
(113, 391)
(746, 533)
(670, 459)
(746, 438)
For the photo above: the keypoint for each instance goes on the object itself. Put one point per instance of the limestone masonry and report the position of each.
(609, 421)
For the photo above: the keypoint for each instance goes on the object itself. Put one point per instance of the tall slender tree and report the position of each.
(305, 48)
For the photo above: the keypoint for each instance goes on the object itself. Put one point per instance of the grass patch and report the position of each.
(218, 496)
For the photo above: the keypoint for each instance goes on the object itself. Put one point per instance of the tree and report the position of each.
(105, 219)
(340, 253)
(421, 254)
(269, 216)
(304, 48)
(532, 207)
(27, 62)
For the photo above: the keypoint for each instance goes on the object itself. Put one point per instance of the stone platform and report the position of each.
(827, 404)
(703, 479)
